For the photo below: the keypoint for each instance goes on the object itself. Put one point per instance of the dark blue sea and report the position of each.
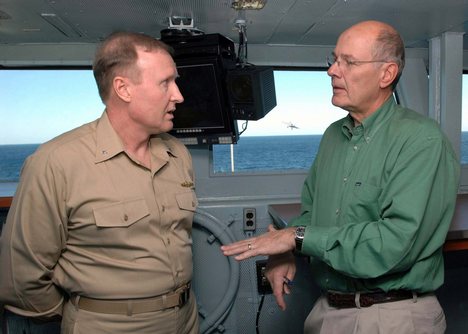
(267, 153)
(12, 158)
(270, 153)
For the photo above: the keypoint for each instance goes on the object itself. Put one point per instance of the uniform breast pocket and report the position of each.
(121, 214)
(187, 201)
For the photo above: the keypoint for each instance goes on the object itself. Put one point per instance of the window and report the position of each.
(464, 136)
(287, 138)
(38, 105)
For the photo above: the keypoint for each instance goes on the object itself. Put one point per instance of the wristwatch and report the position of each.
(299, 237)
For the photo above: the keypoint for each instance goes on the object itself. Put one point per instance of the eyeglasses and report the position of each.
(347, 63)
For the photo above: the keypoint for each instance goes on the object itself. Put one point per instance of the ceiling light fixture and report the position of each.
(248, 4)
(61, 25)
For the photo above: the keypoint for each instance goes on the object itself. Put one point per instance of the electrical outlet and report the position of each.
(250, 219)
(263, 286)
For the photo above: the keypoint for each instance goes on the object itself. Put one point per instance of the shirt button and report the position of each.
(355, 148)
(163, 208)
(125, 217)
(168, 241)
(337, 211)
(345, 179)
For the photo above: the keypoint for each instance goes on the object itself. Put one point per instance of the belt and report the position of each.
(347, 300)
(177, 298)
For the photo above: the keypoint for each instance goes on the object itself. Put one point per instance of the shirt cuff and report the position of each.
(315, 241)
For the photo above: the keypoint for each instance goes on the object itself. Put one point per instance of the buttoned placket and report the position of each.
(163, 218)
(350, 160)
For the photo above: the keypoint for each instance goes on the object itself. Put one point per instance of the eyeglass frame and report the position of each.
(350, 63)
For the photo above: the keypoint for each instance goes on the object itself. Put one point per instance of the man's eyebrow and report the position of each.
(347, 57)
(342, 56)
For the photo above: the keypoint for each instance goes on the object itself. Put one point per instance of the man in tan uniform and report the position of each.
(99, 231)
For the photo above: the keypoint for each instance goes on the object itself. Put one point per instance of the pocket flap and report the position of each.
(187, 201)
(121, 214)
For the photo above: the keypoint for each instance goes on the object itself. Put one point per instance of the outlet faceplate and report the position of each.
(250, 219)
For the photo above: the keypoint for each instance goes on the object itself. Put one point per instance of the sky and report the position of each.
(39, 105)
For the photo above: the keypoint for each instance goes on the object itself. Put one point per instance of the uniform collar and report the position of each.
(109, 144)
(160, 152)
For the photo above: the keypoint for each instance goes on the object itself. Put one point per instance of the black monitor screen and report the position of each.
(202, 105)
(205, 113)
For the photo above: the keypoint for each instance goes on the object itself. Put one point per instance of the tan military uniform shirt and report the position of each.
(88, 219)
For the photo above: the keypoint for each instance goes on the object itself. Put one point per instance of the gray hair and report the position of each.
(389, 46)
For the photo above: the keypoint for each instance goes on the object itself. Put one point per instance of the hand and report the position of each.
(281, 268)
(271, 243)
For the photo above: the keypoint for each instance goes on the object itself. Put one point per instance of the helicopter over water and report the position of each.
(291, 125)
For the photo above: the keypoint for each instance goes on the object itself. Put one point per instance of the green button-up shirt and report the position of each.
(378, 202)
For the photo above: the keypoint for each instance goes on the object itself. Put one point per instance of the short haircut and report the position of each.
(117, 55)
(389, 46)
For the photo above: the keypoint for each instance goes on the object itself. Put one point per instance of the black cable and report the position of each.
(262, 298)
(239, 47)
(244, 127)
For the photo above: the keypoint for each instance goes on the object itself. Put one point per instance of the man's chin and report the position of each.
(336, 101)
(168, 126)
(164, 128)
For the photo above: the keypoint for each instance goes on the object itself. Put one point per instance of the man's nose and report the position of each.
(178, 97)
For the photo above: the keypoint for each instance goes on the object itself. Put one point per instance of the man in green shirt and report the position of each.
(376, 205)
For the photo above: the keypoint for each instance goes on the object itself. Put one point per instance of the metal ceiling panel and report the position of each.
(301, 22)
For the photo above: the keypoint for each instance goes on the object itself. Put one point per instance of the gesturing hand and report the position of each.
(271, 243)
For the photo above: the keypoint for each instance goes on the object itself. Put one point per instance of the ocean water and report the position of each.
(11, 160)
(268, 153)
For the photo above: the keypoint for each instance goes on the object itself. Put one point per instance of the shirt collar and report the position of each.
(109, 144)
(159, 147)
(371, 124)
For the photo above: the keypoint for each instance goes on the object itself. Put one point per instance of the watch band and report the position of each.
(299, 237)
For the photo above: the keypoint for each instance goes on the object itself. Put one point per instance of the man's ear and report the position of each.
(390, 71)
(121, 88)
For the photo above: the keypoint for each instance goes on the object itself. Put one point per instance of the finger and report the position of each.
(287, 284)
(250, 252)
(278, 293)
(245, 256)
(239, 243)
(243, 251)
(237, 247)
(278, 288)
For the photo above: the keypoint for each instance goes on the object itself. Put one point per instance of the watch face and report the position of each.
(300, 231)
(299, 237)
